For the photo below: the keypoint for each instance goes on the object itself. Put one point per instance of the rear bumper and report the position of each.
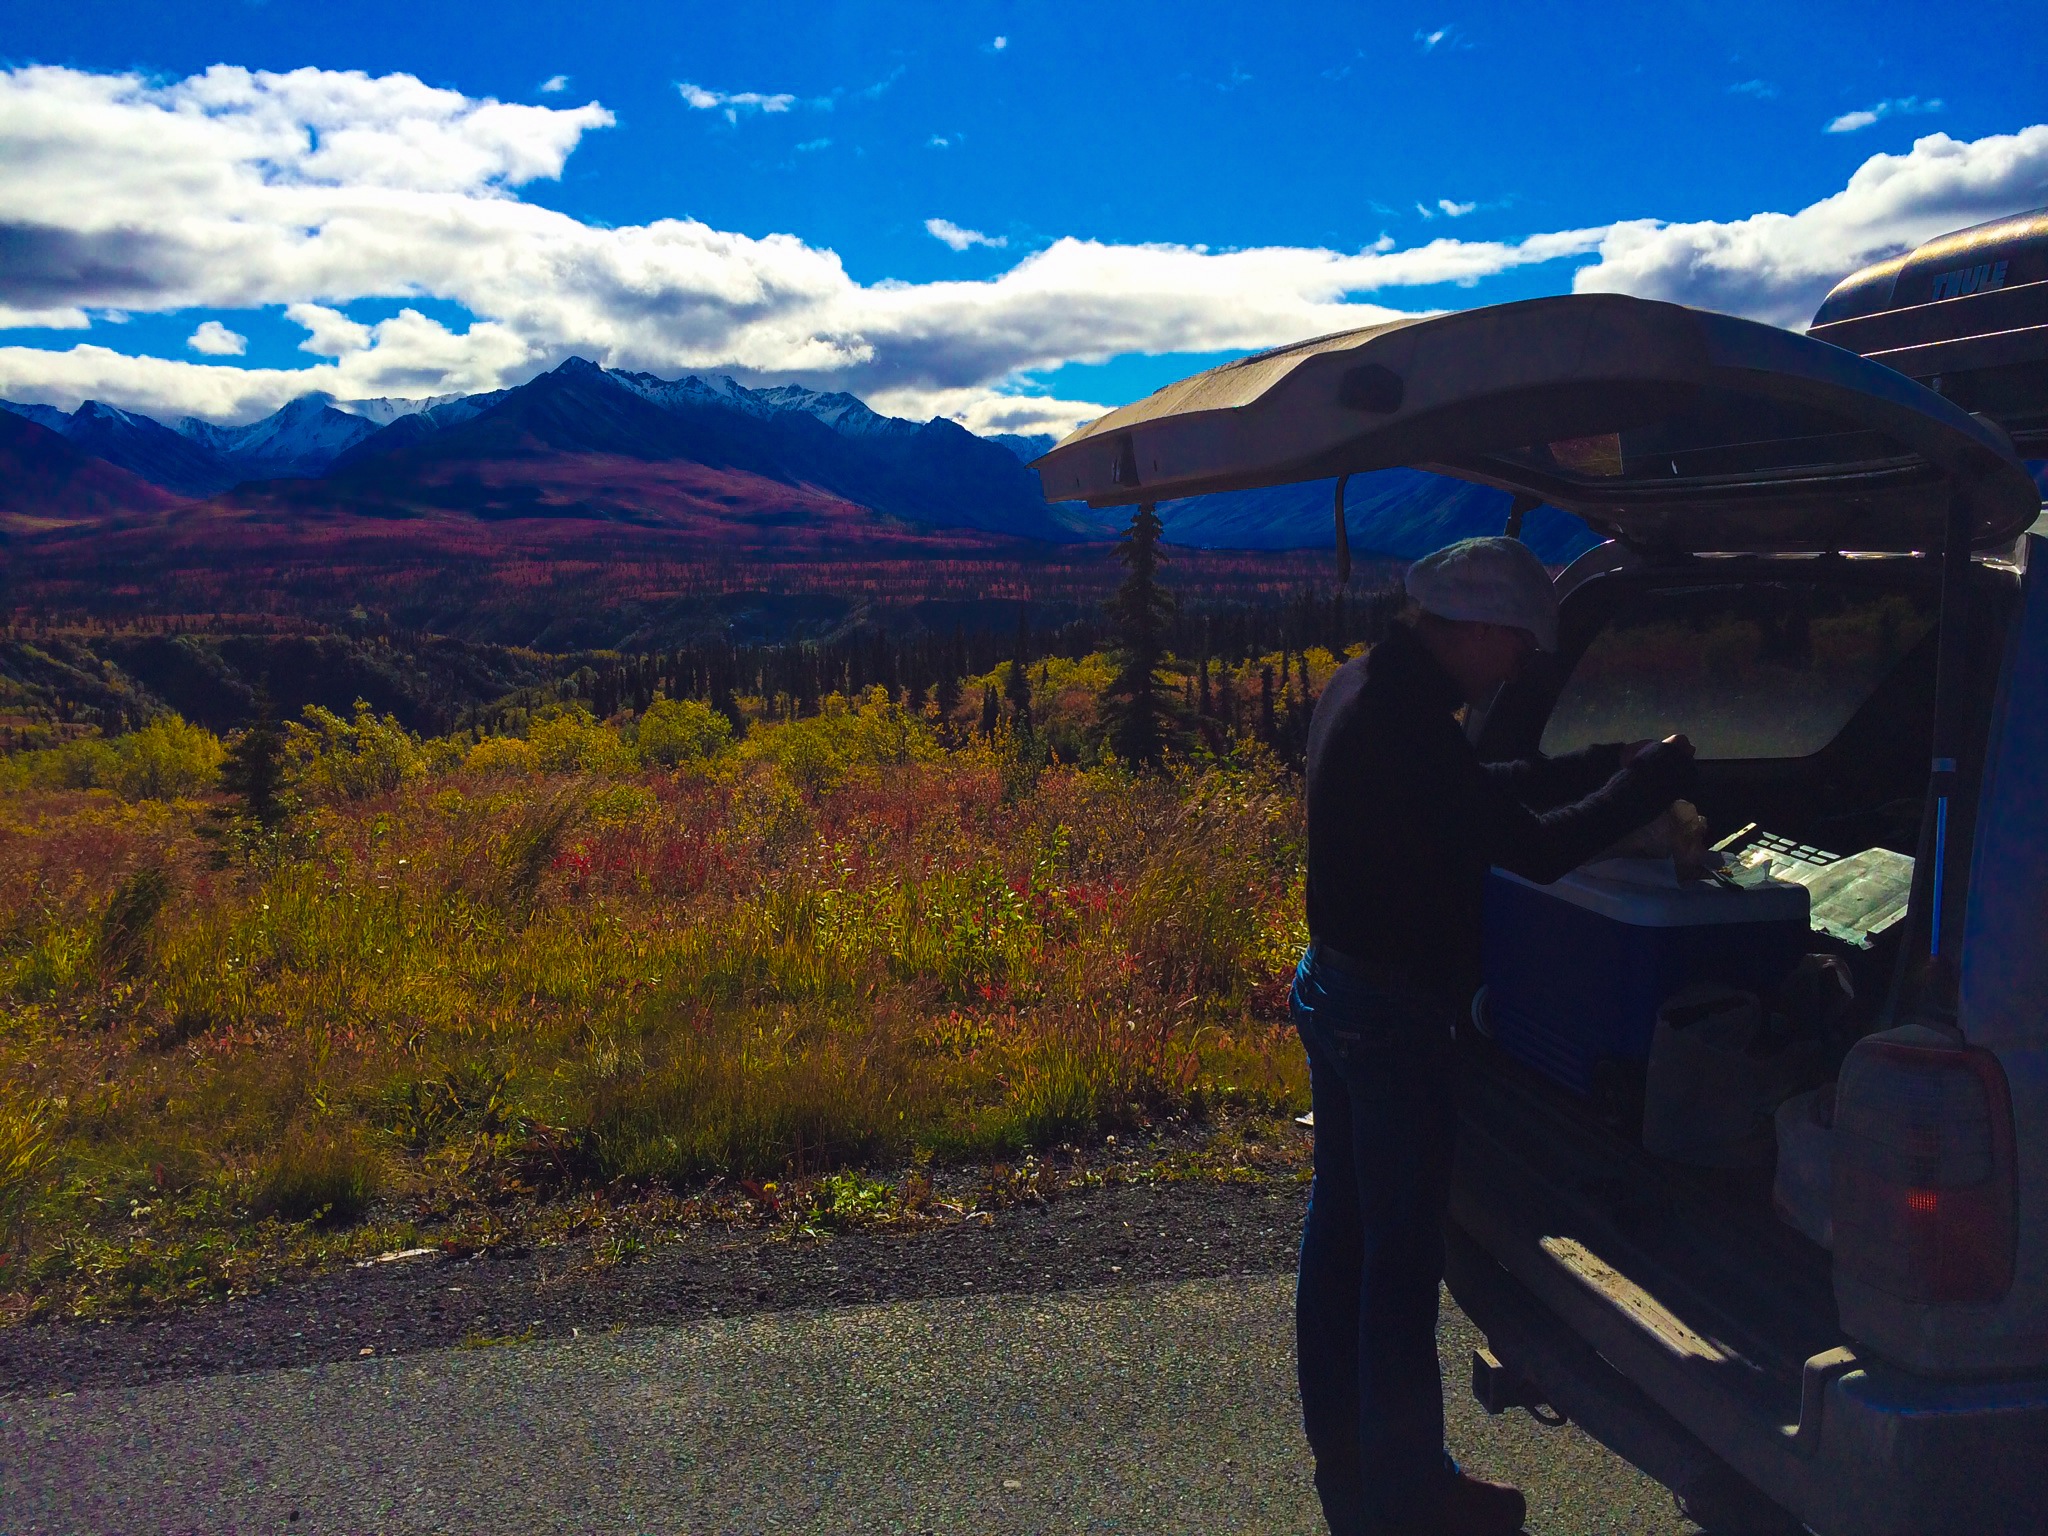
(1889, 1455)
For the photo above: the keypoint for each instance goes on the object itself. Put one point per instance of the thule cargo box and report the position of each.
(1966, 314)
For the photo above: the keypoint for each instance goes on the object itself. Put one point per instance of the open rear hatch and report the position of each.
(1743, 472)
(1671, 429)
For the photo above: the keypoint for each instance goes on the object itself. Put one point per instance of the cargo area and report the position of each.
(1593, 1145)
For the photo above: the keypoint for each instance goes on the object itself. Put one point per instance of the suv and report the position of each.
(1820, 569)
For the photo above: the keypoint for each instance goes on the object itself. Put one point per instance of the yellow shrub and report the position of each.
(673, 731)
(164, 760)
(817, 753)
(502, 755)
(349, 759)
(572, 742)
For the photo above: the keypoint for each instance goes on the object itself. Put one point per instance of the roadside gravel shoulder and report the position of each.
(1120, 1234)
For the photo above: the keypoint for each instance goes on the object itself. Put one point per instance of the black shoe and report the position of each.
(1476, 1508)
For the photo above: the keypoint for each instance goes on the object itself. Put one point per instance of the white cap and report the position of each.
(1488, 581)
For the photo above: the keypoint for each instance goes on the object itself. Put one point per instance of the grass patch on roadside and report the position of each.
(471, 993)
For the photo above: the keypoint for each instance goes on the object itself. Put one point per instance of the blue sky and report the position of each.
(1206, 129)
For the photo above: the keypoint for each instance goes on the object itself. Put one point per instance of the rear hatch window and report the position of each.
(1756, 670)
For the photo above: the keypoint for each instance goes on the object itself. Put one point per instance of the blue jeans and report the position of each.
(1372, 1254)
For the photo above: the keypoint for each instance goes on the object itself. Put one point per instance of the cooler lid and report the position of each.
(1671, 428)
(1633, 897)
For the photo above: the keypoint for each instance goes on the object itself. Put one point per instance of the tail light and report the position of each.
(1924, 1170)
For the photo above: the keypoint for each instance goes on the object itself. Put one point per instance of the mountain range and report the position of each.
(718, 467)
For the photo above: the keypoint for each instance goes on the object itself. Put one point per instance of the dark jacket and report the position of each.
(1404, 820)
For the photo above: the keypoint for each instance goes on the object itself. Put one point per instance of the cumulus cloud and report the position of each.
(329, 332)
(999, 44)
(1778, 266)
(1445, 36)
(1897, 106)
(216, 340)
(554, 85)
(310, 192)
(960, 239)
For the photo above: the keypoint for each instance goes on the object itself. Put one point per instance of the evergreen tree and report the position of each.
(991, 712)
(1266, 704)
(1018, 685)
(253, 771)
(1136, 708)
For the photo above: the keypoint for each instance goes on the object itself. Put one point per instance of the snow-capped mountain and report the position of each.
(934, 473)
(1027, 446)
(839, 411)
(297, 442)
(384, 410)
(134, 442)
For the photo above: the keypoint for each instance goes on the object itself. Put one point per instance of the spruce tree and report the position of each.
(253, 771)
(1135, 707)
(1018, 687)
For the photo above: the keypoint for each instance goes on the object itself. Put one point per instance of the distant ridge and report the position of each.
(536, 450)
(46, 482)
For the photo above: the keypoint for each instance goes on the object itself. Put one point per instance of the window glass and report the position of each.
(1763, 669)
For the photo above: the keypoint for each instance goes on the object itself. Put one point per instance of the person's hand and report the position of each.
(1636, 749)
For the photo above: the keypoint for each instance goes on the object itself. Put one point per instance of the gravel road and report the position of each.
(1127, 1401)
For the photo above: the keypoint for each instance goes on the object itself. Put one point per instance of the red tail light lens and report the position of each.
(1924, 1172)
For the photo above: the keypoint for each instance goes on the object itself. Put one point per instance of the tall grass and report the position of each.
(578, 959)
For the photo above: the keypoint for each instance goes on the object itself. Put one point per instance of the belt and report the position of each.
(1373, 973)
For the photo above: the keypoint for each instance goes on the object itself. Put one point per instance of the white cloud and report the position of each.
(733, 103)
(1897, 106)
(554, 85)
(330, 333)
(937, 141)
(1778, 266)
(960, 239)
(999, 44)
(1453, 210)
(308, 192)
(1444, 36)
(812, 146)
(216, 340)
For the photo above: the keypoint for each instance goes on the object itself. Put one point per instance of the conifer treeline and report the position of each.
(804, 672)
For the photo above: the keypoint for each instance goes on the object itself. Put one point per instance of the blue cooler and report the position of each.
(1576, 971)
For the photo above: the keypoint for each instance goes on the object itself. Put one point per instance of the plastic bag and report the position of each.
(1680, 835)
(1719, 1068)
(1802, 1192)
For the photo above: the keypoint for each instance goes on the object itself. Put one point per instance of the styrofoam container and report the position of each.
(1576, 971)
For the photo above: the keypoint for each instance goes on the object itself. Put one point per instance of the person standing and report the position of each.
(1404, 821)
